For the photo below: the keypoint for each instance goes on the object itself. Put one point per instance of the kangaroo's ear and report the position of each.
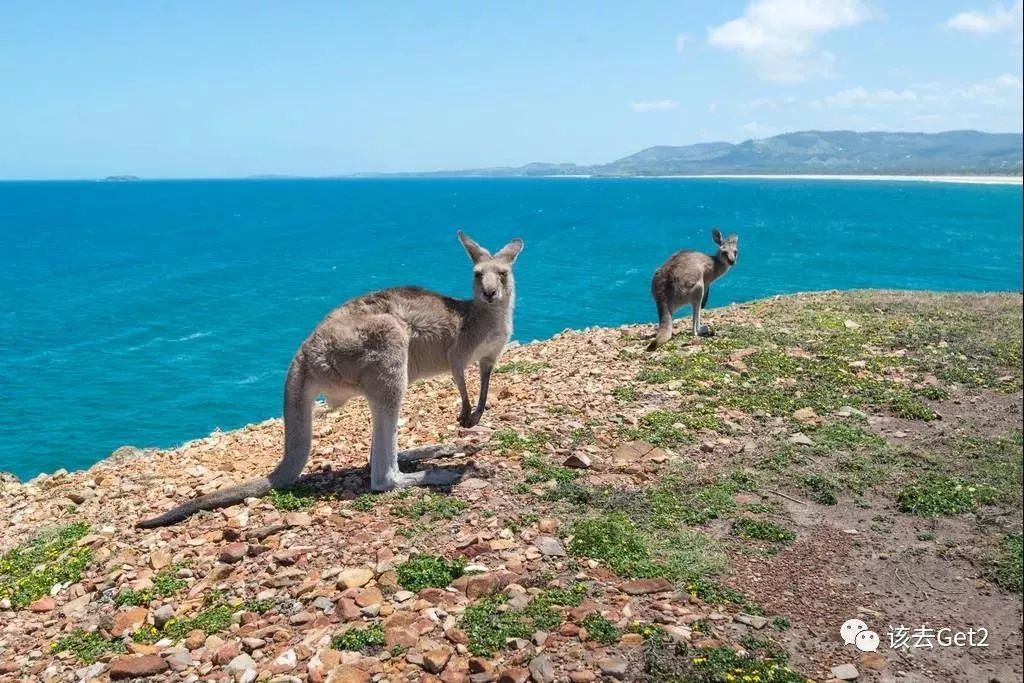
(734, 238)
(475, 251)
(716, 235)
(510, 251)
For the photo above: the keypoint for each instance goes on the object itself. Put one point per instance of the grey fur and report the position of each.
(685, 278)
(376, 345)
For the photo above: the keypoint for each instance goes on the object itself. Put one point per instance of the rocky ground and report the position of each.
(714, 511)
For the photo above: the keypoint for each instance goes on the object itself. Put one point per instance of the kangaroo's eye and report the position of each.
(504, 277)
(478, 276)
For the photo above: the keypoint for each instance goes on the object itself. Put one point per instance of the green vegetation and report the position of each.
(509, 441)
(937, 494)
(88, 646)
(780, 623)
(762, 530)
(216, 616)
(364, 502)
(624, 393)
(165, 584)
(540, 469)
(29, 571)
(425, 571)
(369, 640)
(667, 661)
(519, 367)
(661, 428)
(1009, 563)
(600, 629)
(432, 507)
(490, 622)
(295, 498)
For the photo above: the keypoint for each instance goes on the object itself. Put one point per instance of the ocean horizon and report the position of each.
(153, 312)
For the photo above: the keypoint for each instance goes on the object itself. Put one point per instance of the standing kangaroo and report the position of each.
(685, 278)
(375, 345)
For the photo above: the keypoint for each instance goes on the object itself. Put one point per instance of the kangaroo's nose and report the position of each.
(489, 294)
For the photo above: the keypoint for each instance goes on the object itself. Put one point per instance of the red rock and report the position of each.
(582, 676)
(226, 653)
(369, 596)
(645, 586)
(483, 585)
(479, 666)
(128, 621)
(347, 674)
(137, 667)
(43, 604)
(397, 635)
(348, 609)
(233, 552)
(435, 660)
(514, 675)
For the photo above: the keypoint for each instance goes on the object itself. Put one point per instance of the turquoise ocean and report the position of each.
(153, 312)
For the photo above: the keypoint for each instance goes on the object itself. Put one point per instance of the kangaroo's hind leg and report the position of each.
(385, 398)
(664, 324)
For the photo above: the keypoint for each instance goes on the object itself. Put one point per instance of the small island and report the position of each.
(120, 178)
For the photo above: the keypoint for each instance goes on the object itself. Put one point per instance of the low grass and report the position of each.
(762, 530)
(511, 442)
(88, 646)
(599, 629)
(432, 507)
(426, 571)
(520, 367)
(624, 393)
(364, 502)
(491, 622)
(368, 640)
(216, 616)
(540, 469)
(29, 571)
(165, 584)
(1009, 563)
(667, 661)
(298, 497)
(663, 428)
(937, 494)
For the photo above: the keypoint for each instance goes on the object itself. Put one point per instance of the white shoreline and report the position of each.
(962, 179)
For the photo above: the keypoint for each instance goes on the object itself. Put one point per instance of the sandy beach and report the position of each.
(969, 179)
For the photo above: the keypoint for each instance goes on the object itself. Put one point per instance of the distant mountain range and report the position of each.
(959, 152)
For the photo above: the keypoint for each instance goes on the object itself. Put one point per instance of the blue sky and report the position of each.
(199, 89)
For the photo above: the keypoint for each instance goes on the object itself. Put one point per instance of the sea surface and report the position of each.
(151, 313)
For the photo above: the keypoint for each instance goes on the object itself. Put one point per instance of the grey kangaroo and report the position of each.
(375, 345)
(685, 278)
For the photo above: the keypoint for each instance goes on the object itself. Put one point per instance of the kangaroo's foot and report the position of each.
(431, 477)
(443, 450)
(470, 419)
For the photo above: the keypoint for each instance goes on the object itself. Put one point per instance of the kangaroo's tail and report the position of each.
(298, 434)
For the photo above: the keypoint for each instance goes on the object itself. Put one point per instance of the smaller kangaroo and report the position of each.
(685, 278)
(375, 345)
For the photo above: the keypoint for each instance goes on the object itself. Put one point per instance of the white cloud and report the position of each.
(862, 98)
(681, 40)
(644, 106)
(995, 20)
(779, 38)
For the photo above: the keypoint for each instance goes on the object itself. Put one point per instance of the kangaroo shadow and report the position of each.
(330, 483)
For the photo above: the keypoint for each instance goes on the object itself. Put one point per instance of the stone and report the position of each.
(514, 675)
(242, 667)
(483, 585)
(233, 552)
(845, 672)
(158, 559)
(369, 596)
(436, 659)
(286, 661)
(806, 416)
(629, 453)
(850, 411)
(400, 636)
(542, 670)
(128, 621)
(547, 525)
(800, 439)
(124, 668)
(752, 620)
(582, 676)
(549, 546)
(179, 660)
(347, 673)
(645, 586)
(851, 325)
(356, 577)
(43, 604)
(298, 519)
(577, 461)
(873, 661)
(162, 615)
(225, 653)
(615, 667)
